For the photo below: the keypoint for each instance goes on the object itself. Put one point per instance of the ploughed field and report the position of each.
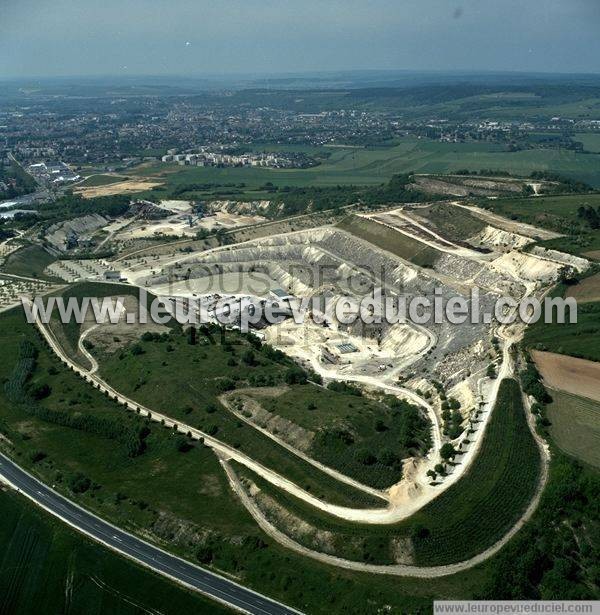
(576, 376)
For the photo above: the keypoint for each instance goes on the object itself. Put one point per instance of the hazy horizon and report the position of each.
(194, 38)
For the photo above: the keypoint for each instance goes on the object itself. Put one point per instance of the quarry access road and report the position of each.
(510, 337)
(84, 351)
(400, 570)
(376, 515)
(226, 401)
(379, 516)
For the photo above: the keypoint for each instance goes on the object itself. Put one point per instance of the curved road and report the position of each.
(193, 577)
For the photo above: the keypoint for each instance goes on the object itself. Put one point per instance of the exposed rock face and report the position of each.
(58, 234)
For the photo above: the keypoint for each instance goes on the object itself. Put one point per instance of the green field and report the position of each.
(578, 339)
(377, 164)
(44, 563)
(576, 426)
(363, 438)
(29, 261)
(464, 520)
(100, 180)
(388, 239)
(590, 140)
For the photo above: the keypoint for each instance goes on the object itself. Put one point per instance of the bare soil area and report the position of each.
(593, 254)
(577, 376)
(125, 187)
(587, 290)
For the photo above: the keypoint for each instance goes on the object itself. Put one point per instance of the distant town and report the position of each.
(206, 157)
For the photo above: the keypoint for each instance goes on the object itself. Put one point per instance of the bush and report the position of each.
(448, 451)
(295, 375)
(249, 358)
(225, 384)
(37, 456)
(182, 445)
(345, 388)
(79, 483)
(41, 391)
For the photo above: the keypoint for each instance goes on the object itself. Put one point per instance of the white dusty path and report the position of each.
(84, 351)
(225, 400)
(401, 570)
(393, 513)
(397, 509)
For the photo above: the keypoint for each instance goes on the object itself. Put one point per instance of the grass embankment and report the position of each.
(362, 438)
(44, 563)
(30, 262)
(184, 381)
(388, 239)
(453, 223)
(178, 498)
(460, 523)
(68, 333)
(556, 213)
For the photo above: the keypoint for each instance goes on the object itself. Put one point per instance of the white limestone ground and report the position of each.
(498, 239)
(327, 262)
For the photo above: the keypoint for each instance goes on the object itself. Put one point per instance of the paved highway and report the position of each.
(185, 573)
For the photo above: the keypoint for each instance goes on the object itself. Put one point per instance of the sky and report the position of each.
(216, 37)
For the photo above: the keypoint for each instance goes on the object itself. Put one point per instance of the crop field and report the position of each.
(362, 438)
(577, 376)
(464, 520)
(576, 426)
(375, 165)
(388, 239)
(494, 492)
(590, 140)
(30, 262)
(44, 563)
(577, 339)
